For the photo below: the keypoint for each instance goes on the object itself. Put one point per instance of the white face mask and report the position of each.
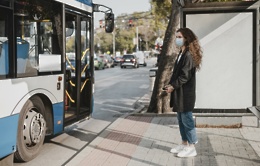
(179, 42)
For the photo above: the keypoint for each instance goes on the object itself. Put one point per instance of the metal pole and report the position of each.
(137, 47)
(114, 45)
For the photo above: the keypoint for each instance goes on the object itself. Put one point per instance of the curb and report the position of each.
(202, 120)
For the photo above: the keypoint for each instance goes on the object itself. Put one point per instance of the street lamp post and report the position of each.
(140, 40)
(97, 42)
(137, 43)
(114, 44)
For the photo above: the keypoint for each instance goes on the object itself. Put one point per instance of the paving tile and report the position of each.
(146, 141)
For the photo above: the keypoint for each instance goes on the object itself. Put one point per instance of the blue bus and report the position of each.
(46, 70)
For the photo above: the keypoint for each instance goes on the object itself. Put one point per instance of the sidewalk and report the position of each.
(146, 140)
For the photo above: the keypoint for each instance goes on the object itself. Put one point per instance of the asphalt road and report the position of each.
(116, 91)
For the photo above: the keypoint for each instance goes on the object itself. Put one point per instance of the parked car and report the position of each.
(71, 64)
(109, 62)
(129, 60)
(141, 58)
(99, 63)
(117, 60)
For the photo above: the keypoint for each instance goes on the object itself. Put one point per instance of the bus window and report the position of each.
(37, 37)
(4, 51)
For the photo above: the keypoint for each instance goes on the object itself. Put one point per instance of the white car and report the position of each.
(141, 58)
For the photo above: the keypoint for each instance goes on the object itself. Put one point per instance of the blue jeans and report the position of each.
(187, 127)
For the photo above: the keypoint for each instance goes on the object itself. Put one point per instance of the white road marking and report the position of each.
(144, 86)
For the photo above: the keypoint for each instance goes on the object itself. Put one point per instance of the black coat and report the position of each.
(183, 81)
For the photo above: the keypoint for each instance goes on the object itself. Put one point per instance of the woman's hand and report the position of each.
(169, 88)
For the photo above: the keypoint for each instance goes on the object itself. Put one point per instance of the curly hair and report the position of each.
(192, 42)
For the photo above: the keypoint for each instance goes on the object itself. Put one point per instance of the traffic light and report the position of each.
(130, 23)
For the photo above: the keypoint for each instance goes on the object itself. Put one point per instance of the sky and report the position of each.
(122, 6)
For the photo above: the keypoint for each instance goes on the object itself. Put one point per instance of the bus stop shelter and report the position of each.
(229, 34)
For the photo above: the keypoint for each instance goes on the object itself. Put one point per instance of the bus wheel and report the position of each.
(31, 130)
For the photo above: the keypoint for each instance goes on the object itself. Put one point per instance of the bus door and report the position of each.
(78, 87)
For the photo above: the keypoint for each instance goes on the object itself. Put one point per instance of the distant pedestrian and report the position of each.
(182, 88)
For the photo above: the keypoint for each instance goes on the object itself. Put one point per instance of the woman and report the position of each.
(182, 88)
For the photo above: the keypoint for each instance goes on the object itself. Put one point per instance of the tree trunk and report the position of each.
(160, 100)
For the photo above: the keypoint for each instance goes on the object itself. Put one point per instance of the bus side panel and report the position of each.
(8, 130)
(58, 113)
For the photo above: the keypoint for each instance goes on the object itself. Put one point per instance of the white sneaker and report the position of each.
(187, 152)
(178, 148)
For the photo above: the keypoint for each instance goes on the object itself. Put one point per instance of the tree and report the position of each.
(159, 102)
(124, 40)
(105, 41)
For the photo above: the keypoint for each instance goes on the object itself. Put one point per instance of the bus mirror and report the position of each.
(109, 22)
(69, 28)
